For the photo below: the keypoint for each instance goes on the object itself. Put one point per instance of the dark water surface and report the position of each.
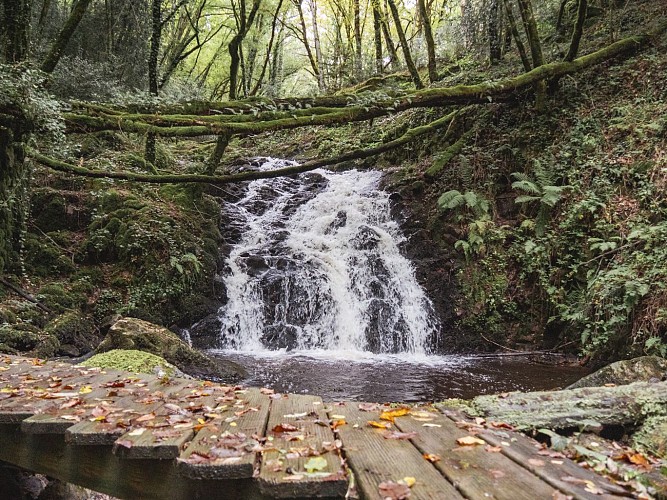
(365, 377)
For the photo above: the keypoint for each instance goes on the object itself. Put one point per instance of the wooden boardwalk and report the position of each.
(139, 436)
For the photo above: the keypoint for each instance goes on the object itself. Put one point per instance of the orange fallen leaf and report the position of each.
(431, 457)
(337, 423)
(390, 415)
(493, 449)
(470, 441)
(497, 473)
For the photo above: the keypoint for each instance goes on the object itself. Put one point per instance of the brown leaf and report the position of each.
(368, 406)
(431, 457)
(398, 435)
(282, 428)
(379, 425)
(536, 462)
(125, 443)
(493, 449)
(145, 418)
(389, 490)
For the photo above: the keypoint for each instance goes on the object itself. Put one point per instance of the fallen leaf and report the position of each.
(337, 423)
(315, 464)
(493, 449)
(431, 457)
(125, 443)
(394, 491)
(86, 389)
(408, 481)
(557, 495)
(390, 415)
(146, 417)
(137, 432)
(379, 425)
(470, 441)
(536, 462)
(399, 435)
(431, 425)
(496, 473)
(282, 428)
(368, 406)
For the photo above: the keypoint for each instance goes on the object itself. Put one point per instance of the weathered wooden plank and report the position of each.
(477, 472)
(125, 413)
(375, 459)
(233, 439)
(299, 431)
(561, 473)
(165, 436)
(25, 394)
(88, 403)
(95, 467)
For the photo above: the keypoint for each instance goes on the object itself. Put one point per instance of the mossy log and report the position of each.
(357, 154)
(627, 405)
(182, 125)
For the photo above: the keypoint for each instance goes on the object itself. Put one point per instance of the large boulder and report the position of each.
(75, 332)
(652, 436)
(642, 369)
(137, 334)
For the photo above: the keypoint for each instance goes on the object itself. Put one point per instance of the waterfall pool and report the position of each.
(378, 378)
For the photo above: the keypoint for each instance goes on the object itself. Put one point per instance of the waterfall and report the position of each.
(316, 265)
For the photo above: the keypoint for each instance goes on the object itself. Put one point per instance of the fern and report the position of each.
(451, 199)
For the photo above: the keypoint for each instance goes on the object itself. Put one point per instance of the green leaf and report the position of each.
(527, 187)
(315, 464)
(450, 199)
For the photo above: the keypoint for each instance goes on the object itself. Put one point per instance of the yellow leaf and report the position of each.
(85, 389)
(431, 457)
(379, 425)
(470, 441)
(390, 415)
(408, 481)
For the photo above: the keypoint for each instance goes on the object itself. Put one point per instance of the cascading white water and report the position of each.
(318, 266)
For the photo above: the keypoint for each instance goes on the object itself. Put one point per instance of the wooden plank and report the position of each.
(561, 473)
(29, 393)
(477, 472)
(283, 473)
(104, 389)
(375, 460)
(236, 435)
(95, 467)
(125, 413)
(165, 436)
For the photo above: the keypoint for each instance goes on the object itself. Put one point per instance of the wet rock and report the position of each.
(132, 333)
(205, 334)
(339, 221)
(280, 337)
(642, 369)
(366, 239)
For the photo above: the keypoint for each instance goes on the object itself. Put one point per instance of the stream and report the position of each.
(320, 299)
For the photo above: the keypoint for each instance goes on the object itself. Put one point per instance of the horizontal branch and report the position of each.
(335, 110)
(358, 154)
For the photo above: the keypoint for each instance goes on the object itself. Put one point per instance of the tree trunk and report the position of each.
(318, 49)
(517, 36)
(59, 45)
(269, 48)
(304, 34)
(14, 30)
(387, 34)
(494, 33)
(578, 30)
(377, 32)
(404, 45)
(358, 63)
(235, 44)
(153, 88)
(620, 405)
(430, 43)
(530, 25)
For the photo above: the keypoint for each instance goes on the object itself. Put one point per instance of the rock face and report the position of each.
(642, 369)
(136, 334)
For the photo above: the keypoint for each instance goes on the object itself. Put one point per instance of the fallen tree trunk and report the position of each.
(191, 125)
(357, 154)
(620, 405)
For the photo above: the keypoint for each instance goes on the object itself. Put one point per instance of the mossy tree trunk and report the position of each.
(14, 25)
(59, 45)
(578, 30)
(404, 46)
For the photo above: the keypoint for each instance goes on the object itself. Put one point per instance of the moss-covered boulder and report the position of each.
(651, 437)
(137, 334)
(131, 360)
(75, 332)
(27, 339)
(640, 369)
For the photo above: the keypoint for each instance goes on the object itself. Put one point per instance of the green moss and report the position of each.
(74, 329)
(132, 361)
(43, 258)
(58, 299)
(26, 338)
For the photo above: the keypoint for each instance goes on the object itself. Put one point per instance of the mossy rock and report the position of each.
(28, 339)
(43, 258)
(132, 360)
(75, 332)
(58, 299)
(640, 369)
(137, 334)
(652, 436)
